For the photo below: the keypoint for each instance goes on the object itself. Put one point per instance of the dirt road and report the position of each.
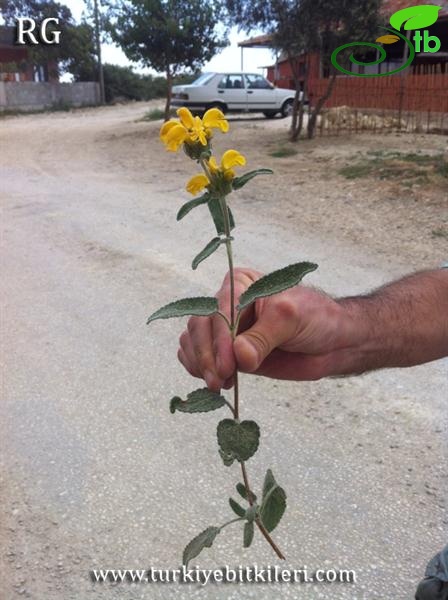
(95, 472)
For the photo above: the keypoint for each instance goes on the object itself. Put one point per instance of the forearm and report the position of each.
(399, 325)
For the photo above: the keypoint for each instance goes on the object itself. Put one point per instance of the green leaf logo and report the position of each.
(415, 17)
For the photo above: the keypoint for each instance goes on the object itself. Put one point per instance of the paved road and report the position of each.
(95, 472)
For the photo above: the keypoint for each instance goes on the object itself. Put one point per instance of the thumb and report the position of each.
(256, 343)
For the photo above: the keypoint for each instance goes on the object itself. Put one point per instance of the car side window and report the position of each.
(231, 82)
(257, 82)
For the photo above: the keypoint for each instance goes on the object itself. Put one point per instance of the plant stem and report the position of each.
(246, 483)
(233, 326)
(232, 521)
(233, 331)
(268, 538)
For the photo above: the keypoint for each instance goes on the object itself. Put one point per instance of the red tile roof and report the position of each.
(391, 6)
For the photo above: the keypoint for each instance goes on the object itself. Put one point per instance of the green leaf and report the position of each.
(239, 182)
(216, 212)
(273, 504)
(248, 534)
(269, 483)
(185, 208)
(204, 540)
(211, 247)
(202, 400)
(241, 489)
(251, 512)
(239, 440)
(237, 508)
(227, 459)
(276, 282)
(199, 307)
(415, 17)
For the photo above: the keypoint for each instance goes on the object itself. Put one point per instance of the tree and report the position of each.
(81, 60)
(167, 35)
(74, 54)
(302, 27)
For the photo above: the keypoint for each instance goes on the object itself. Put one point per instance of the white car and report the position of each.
(234, 92)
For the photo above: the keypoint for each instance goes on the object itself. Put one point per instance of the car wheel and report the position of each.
(287, 108)
(270, 114)
(222, 107)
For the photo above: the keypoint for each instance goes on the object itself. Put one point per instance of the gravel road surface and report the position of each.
(94, 470)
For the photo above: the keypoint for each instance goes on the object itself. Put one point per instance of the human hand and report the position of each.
(299, 334)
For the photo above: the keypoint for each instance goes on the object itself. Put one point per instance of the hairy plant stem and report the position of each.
(233, 327)
(233, 330)
(232, 521)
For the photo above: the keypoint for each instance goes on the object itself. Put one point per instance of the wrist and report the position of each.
(358, 344)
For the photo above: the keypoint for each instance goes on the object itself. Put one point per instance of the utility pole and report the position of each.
(98, 53)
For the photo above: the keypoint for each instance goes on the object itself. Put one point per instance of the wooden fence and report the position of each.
(410, 102)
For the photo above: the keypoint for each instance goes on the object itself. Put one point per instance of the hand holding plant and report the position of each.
(238, 439)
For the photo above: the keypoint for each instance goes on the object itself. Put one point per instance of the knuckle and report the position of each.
(182, 358)
(246, 277)
(183, 339)
(284, 308)
(192, 326)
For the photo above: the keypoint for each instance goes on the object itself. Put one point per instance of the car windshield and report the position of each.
(203, 79)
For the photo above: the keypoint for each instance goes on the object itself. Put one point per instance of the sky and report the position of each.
(228, 59)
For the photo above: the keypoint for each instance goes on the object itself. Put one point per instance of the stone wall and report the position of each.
(38, 96)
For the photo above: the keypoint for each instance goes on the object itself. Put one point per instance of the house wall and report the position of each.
(395, 92)
(14, 63)
(38, 96)
(281, 74)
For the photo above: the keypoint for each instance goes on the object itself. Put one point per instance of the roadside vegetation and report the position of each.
(406, 168)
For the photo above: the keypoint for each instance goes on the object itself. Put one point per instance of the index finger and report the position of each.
(222, 338)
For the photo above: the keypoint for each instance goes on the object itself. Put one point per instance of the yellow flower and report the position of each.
(173, 135)
(197, 184)
(214, 119)
(190, 129)
(220, 175)
(230, 158)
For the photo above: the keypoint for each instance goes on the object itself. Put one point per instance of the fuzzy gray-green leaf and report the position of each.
(239, 440)
(211, 247)
(214, 206)
(227, 459)
(276, 282)
(188, 206)
(204, 540)
(273, 503)
(200, 307)
(237, 508)
(241, 489)
(239, 182)
(202, 400)
(248, 534)
(269, 482)
(252, 513)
